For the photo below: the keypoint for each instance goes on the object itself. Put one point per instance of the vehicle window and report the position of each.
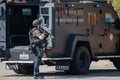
(26, 11)
(109, 18)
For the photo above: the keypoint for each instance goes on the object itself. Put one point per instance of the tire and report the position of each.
(27, 68)
(81, 60)
(24, 69)
(116, 63)
(18, 71)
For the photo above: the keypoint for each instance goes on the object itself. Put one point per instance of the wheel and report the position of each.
(27, 68)
(116, 63)
(81, 60)
(18, 71)
(24, 69)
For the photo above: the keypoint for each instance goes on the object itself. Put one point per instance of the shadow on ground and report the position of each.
(61, 74)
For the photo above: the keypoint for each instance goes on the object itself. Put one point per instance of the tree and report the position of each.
(116, 4)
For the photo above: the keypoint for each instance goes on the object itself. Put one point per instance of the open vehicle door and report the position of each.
(2, 29)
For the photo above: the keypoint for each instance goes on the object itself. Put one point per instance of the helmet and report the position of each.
(36, 21)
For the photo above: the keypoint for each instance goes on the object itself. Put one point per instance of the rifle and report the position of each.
(47, 33)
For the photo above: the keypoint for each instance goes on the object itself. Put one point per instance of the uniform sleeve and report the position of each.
(36, 33)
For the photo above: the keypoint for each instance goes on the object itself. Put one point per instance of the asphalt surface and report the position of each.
(101, 70)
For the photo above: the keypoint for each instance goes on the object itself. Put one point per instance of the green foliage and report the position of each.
(116, 4)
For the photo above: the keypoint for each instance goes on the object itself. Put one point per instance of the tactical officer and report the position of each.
(37, 41)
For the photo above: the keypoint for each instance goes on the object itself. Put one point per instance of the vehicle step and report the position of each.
(107, 57)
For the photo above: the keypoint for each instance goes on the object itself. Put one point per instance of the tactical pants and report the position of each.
(38, 55)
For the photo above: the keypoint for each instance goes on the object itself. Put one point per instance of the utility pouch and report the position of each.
(31, 48)
(40, 52)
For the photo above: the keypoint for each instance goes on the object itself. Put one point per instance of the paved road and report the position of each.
(101, 70)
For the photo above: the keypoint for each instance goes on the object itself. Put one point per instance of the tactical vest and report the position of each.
(33, 39)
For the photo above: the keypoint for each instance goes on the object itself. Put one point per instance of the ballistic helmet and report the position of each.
(36, 21)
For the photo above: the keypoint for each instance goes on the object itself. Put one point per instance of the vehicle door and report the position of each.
(111, 39)
(2, 28)
(97, 30)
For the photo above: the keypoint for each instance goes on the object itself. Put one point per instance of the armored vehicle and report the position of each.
(84, 31)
